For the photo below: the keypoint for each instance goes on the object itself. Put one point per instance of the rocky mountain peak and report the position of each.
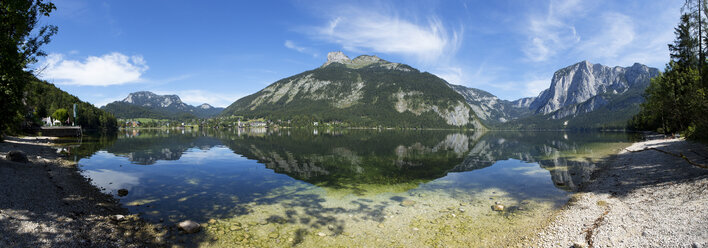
(366, 59)
(363, 61)
(149, 99)
(163, 106)
(337, 57)
(132, 97)
(582, 81)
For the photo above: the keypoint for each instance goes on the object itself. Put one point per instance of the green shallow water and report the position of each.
(345, 187)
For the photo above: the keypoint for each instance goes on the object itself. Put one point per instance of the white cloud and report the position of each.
(360, 30)
(290, 44)
(550, 32)
(601, 32)
(534, 87)
(453, 75)
(109, 69)
(617, 33)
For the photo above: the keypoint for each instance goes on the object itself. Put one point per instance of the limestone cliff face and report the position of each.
(582, 81)
(149, 99)
(364, 91)
(579, 90)
(362, 61)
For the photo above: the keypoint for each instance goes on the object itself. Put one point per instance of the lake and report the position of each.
(260, 187)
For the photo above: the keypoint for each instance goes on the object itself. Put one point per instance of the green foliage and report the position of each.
(126, 110)
(375, 107)
(61, 115)
(676, 101)
(20, 44)
(43, 98)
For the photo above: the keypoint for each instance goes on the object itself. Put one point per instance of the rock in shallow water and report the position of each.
(122, 192)
(407, 203)
(498, 207)
(189, 226)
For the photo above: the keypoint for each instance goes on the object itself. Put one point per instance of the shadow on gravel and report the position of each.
(630, 172)
(47, 205)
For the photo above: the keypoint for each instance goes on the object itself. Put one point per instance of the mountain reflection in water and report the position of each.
(169, 173)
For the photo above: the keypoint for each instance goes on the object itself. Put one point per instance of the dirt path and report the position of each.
(646, 196)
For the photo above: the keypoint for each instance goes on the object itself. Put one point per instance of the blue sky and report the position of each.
(220, 51)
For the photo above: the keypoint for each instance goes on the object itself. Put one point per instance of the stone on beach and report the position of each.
(118, 217)
(17, 156)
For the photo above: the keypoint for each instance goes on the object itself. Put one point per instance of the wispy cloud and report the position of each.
(360, 30)
(617, 33)
(291, 45)
(453, 75)
(109, 69)
(550, 32)
(612, 36)
(534, 87)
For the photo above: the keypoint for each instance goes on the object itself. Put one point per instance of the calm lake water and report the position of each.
(346, 187)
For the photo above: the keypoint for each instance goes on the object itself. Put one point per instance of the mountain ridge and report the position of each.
(148, 104)
(366, 91)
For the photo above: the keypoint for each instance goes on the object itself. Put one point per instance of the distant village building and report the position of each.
(47, 121)
(258, 124)
(132, 124)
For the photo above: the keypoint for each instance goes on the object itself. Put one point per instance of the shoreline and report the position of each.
(46, 202)
(644, 196)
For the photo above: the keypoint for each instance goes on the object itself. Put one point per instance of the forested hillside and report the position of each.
(43, 99)
(126, 110)
(365, 91)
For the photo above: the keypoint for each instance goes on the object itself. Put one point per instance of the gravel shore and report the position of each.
(645, 196)
(45, 202)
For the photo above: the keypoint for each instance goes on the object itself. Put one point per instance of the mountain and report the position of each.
(586, 95)
(365, 91)
(150, 105)
(577, 84)
(490, 109)
(582, 95)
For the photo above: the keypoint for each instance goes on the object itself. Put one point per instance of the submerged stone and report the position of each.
(498, 207)
(407, 203)
(189, 226)
(122, 192)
